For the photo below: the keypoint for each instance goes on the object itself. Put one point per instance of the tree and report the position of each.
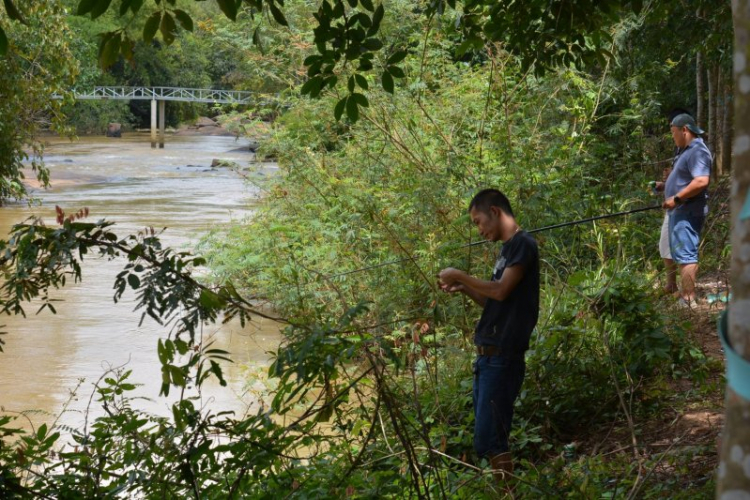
(37, 63)
(734, 467)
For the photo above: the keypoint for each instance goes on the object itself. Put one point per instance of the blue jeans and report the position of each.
(497, 383)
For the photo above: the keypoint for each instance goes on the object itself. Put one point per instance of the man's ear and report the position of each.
(497, 211)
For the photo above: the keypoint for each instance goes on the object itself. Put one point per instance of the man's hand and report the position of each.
(448, 276)
(669, 203)
(456, 287)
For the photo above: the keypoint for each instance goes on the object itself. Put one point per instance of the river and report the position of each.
(125, 181)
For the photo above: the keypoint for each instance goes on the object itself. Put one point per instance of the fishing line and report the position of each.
(484, 242)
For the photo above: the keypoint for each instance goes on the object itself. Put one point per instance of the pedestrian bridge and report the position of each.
(166, 94)
(160, 95)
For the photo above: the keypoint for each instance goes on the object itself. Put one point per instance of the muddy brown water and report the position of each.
(124, 180)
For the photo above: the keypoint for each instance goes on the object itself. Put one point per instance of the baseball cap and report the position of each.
(685, 120)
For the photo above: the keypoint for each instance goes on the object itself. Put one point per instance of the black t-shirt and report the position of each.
(508, 324)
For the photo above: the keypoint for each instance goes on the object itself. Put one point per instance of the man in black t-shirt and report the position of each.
(511, 309)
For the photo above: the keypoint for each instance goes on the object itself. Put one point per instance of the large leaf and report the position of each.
(168, 28)
(109, 49)
(152, 24)
(229, 8)
(184, 19)
(277, 14)
(339, 109)
(100, 8)
(352, 110)
(387, 81)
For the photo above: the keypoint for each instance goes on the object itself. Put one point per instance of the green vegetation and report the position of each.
(371, 390)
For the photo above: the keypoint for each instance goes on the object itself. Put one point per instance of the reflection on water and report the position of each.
(125, 181)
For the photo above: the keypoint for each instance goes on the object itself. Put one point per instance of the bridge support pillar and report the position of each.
(162, 117)
(153, 123)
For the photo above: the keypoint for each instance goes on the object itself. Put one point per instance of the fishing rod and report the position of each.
(484, 242)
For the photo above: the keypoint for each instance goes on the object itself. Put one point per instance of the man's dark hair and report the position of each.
(487, 198)
(678, 111)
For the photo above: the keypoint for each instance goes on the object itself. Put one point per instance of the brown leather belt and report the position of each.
(488, 350)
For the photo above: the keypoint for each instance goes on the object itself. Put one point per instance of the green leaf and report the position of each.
(278, 15)
(396, 71)
(162, 352)
(339, 109)
(397, 57)
(367, 4)
(350, 84)
(361, 81)
(168, 28)
(229, 8)
(184, 19)
(3, 42)
(152, 24)
(109, 49)
(210, 300)
(312, 86)
(177, 375)
(100, 8)
(124, 6)
(84, 7)
(134, 281)
(135, 6)
(360, 99)
(387, 81)
(372, 44)
(377, 17)
(352, 3)
(352, 110)
(13, 12)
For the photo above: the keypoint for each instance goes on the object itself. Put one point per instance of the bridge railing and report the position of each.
(166, 94)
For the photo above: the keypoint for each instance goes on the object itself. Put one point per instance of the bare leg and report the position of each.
(671, 285)
(688, 274)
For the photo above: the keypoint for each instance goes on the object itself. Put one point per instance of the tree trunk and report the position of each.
(721, 111)
(734, 466)
(726, 139)
(700, 91)
(713, 74)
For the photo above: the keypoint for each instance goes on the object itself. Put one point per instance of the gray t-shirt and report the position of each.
(694, 161)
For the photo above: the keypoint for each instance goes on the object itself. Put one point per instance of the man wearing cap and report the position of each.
(685, 196)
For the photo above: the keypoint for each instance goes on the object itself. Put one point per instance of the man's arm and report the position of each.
(496, 290)
(458, 287)
(697, 185)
